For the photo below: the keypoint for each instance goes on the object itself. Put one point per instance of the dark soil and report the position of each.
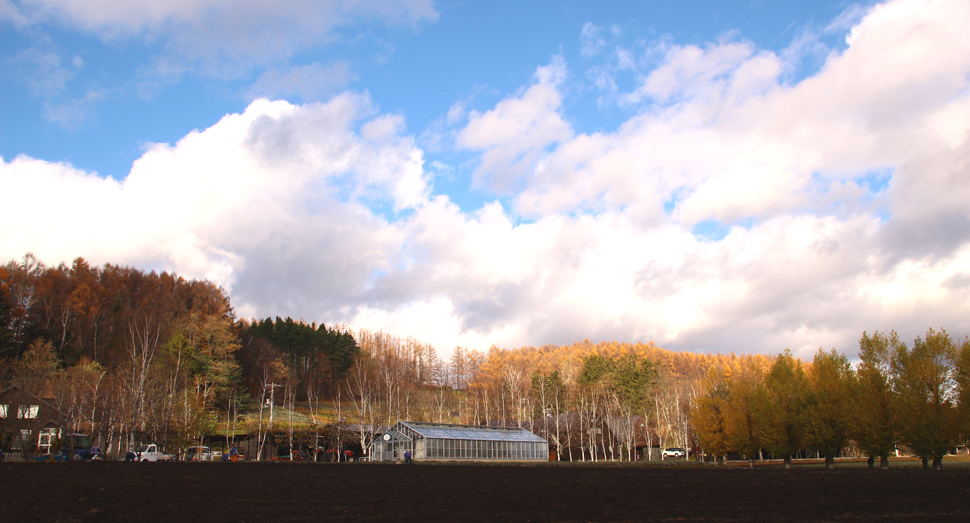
(245, 492)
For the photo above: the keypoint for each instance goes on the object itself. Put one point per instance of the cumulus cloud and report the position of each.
(516, 132)
(687, 70)
(840, 203)
(275, 190)
(807, 259)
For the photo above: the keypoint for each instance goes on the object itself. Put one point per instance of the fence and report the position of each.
(20, 457)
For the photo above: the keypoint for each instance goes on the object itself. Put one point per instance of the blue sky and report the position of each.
(474, 52)
(719, 176)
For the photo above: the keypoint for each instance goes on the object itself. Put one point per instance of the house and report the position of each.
(632, 432)
(29, 423)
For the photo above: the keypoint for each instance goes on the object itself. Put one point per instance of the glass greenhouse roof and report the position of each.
(471, 432)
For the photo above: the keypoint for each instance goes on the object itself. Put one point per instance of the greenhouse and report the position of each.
(437, 441)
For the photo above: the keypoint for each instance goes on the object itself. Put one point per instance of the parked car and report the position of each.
(295, 455)
(198, 454)
(150, 452)
(51, 457)
(91, 453)
(75, 446)
(674, 452)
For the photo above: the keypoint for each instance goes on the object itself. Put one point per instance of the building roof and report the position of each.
(470, 432)
(17, 389)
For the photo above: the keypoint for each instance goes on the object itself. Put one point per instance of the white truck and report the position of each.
(150, 453)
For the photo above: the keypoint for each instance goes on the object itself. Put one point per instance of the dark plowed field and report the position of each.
(244, 492)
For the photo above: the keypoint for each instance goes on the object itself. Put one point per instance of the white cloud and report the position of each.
(325, 211)
(736, 143)
(42, 71)
(591, 40)
(729, 142)
(690, 69)
(220, 33)
(312, 82)
(455, 113)
(72, 113)
(848, 18)
(515, 133)
(278, 189)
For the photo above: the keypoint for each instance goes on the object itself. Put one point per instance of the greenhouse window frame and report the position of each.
(449, 442)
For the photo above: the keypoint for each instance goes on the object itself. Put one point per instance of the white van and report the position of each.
(150, 453)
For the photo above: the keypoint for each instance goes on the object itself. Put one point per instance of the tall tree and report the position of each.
(962, 376)
(926, 393)
(36, 368)
(461, 367)
(361, 385)
(780, 414)
(549, 397)
(873, 423)
(745, 393)
(830, 382)
(620, 386)
(6, 333)
(709, 415)
(20, 283)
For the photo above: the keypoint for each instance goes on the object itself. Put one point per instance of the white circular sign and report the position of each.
(387, 437)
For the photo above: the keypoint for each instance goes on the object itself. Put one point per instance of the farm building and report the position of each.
(437, 441)
(29, 422)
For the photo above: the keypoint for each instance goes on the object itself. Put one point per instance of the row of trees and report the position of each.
(912, 396)
(131, 355)
(154, 355)
(88, 313)
(150, 355)
(120, 351)
(592, 401)
(597, 400)
(896, 396)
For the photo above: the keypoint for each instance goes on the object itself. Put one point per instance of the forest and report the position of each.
(130, 356)
(915, 398)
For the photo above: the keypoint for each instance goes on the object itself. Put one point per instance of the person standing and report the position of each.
(407, 457)
(233, 455)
